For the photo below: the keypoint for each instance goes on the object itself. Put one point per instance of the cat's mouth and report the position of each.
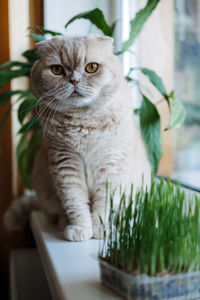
(76, 94)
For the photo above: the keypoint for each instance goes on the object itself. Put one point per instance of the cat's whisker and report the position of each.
(57, 106)
(46, 106)
(49, 116)
(33, 120)
(40, 113)
(31, 123)
(35, 107)
(30, 109)
(55, 91)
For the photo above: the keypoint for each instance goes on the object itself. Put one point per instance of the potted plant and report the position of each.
(149, 117)
(151, 244)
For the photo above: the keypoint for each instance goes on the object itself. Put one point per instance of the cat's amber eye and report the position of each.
(57, 69)
(91, 67)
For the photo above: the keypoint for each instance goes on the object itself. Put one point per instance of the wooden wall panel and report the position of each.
(36, 16)
(5, 150)
(10, 240)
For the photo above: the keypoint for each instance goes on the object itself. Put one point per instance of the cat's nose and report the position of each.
(73, 81)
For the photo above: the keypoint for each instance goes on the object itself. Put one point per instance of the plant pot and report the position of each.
(143, 287)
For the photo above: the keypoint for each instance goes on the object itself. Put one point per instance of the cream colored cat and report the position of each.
(89, 133)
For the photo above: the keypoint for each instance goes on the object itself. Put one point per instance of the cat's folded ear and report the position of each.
(44, 47)
(106, 41)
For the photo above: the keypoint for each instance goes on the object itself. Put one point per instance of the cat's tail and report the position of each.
(17, 214)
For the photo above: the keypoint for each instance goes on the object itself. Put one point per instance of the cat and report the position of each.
(89, 132)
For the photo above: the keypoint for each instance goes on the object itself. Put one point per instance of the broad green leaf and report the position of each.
(156, 81)
(21, 145)
(178, 113)
(22, 168)
(138, 22)
(34, 123)
(37, 37)
(6, 95)
(45, 31)
(27, 156)
(31, 55)
(14, 64)
(28, 105)
(4, 120)
(7, 75)
(96, 17)
(26, 93)
(150, 129)
(113, 26)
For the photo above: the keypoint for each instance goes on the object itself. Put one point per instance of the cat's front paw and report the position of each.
(98, 231)
(78, 233)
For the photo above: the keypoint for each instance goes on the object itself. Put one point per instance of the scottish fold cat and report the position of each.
(89, 133)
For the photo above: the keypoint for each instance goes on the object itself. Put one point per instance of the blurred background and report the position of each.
(169, 44)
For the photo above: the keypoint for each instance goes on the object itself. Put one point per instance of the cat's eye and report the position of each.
(91, 67)
(57, 69)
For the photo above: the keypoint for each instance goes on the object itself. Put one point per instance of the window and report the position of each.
(187, 88)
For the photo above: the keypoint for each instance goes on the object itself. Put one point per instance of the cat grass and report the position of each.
(155, 232)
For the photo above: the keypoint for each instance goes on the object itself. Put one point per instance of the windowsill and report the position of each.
(188, 177)
(71, 268)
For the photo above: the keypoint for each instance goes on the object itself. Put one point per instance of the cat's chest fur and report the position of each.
(94, 139)
(99, 140)
(83, 133)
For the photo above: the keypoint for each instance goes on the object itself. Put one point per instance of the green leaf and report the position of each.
(31, 55)
(113, 26)
(14, 64)
(6, 95)
(171, 94)
(37, 37)
(150, 129)
(178, 113)
(34, 123)
(4, 120)
(26, 93)
(138, 22)
(129, 79)
(28, 105)
(21, 145)
(45, 31)
(156, 81)
(27, 156)
(96, 17)
(137, 111)
(7, 75)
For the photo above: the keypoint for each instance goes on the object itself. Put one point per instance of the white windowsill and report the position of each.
(71, 268)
